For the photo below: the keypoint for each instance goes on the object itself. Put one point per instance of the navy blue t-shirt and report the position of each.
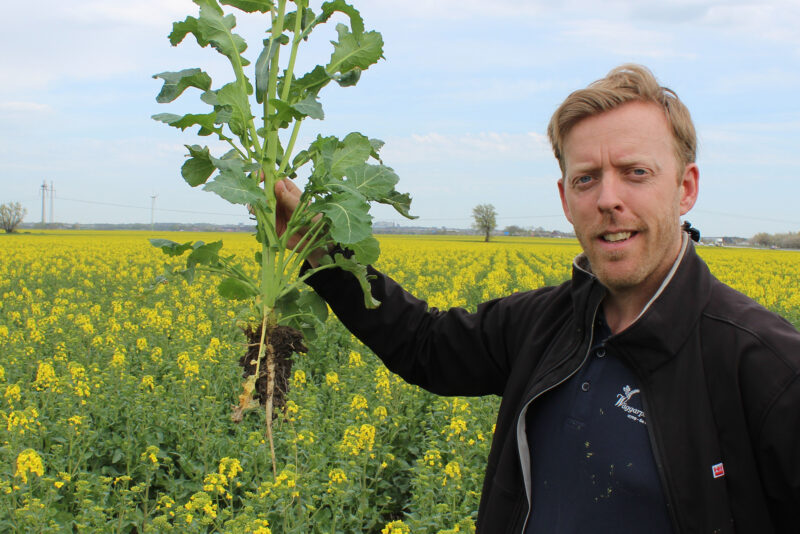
(592, 467)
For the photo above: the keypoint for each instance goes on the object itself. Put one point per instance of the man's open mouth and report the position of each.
(617, 236)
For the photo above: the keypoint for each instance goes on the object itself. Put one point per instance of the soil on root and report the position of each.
(284, 342)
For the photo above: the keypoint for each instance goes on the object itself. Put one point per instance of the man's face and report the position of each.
(624, 192)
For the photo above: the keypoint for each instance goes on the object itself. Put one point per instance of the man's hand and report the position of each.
(287, 195)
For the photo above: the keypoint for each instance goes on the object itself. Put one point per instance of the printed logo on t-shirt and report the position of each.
(634, 414)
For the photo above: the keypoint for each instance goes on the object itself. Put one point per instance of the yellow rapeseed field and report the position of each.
(115, 408)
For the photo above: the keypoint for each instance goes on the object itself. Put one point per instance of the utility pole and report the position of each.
(152, 210)
(44, 199)
(52, 195)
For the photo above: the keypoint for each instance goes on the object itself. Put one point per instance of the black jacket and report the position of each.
(720, 379)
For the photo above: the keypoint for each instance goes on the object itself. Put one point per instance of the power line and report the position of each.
(740, 216)
(146, 208)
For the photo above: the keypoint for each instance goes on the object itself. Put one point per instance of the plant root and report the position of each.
(280, 342)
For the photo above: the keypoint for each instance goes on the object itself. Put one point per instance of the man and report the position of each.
(643, 395)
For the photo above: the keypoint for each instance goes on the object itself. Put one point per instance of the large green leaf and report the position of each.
(171, 248)
(235, 289)
(351, 151)
(355, 51)
(372, 181)
(234, 186)
(215, 27)
(176, 83)
(207, 254)
(349, 217)
(250, 6)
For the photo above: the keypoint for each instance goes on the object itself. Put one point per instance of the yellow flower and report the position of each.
(150, 453)
(358, 439)
(359, 405)
(148, 382)
(355, 360)
(299, 379)
(396, 527)
(13, 394)
(45, 377)
(332, 380)
(29, 461)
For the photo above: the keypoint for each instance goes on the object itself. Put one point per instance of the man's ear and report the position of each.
(563, 196)
(689, 187)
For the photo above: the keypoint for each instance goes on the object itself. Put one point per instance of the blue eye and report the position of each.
(583, 179)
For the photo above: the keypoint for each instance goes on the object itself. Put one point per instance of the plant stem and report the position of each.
(287, 154)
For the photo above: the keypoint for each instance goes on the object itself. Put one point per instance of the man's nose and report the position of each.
(610, 192)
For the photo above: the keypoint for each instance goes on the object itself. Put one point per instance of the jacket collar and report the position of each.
(666, 321)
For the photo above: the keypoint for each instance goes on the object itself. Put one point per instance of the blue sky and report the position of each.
(462, 101)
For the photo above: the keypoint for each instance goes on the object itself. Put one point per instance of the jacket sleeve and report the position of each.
(450, 352)
(779, 450)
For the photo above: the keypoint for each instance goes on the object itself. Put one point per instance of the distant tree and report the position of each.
(763, 239)
(515, 230)
(485, 219)
(11, 215)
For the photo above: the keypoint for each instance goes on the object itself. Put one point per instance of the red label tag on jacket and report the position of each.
(718, 470)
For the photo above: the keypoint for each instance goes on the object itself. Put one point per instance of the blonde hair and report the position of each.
(626, 83)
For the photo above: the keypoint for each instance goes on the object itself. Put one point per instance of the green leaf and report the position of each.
(312, 303)
(205, 255)
(171, 248)
(263, 64)
(235, 289)
(309, 84)
(400, 202)
(198, 168)
(349, 78)
(309, 107)
(356, 22)
(366, 251)
(372, 181)
(360, 272)
(355, 51)
(180, 29)
(349, 217)
(176, 83)
(235, 189)
(249, 6)
(232, 95)
(206, 121)
(187, 274)
(215, 27)
(289, 20)
(353, 150)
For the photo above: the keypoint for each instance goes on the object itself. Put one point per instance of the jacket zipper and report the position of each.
(659, 463)
(526, 470)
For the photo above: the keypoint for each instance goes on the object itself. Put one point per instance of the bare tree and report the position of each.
(11, 215)
(485, 219)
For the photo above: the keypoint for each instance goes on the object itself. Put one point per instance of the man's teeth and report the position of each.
(619, 236)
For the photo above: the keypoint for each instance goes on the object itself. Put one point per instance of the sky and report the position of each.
(462, 101)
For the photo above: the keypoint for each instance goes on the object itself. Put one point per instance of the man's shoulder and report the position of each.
(739, 316)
